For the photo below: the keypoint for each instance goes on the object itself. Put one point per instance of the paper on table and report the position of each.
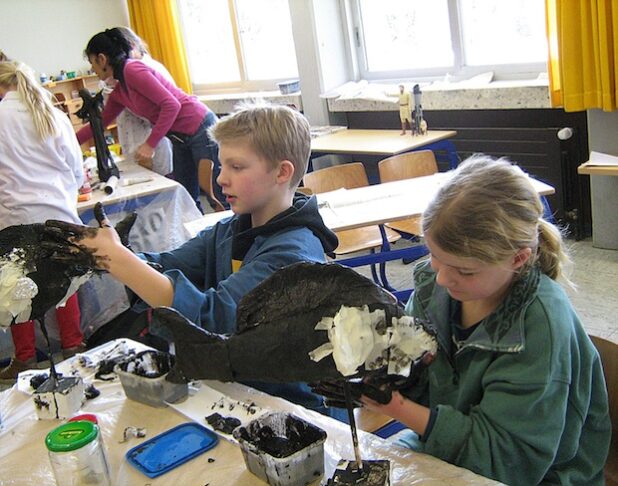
(344, 197)
(340, 198)
(598, 158)
(83, 364)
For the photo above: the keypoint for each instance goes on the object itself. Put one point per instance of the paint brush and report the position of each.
(348, 402)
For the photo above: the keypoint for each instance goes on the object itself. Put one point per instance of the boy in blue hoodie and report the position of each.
(264, 151)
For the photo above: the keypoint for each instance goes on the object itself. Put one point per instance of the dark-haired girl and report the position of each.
(144, 91)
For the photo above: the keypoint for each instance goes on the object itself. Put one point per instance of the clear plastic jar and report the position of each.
(77, 455)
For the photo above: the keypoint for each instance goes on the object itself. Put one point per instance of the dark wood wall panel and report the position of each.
(527, 137)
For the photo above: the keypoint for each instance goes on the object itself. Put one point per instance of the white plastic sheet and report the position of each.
(23, 456)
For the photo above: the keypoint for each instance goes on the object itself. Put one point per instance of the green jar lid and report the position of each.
(71, 436)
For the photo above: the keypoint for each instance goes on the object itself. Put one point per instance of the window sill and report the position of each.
(497, 95)
(222, 104)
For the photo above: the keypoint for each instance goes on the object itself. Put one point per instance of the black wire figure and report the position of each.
(91, 112)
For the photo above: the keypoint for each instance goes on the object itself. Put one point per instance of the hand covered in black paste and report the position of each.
(377, 386)
(71, 242)
(372, 386)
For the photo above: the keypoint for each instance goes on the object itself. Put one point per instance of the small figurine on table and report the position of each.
(405, 109)
(420, 125)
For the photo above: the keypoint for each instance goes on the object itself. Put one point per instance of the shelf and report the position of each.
(52, 84)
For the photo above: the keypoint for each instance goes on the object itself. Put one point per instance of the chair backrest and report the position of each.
(609, 358)
(347, 176)
(204, 176)
(307, 191)
(407, 166)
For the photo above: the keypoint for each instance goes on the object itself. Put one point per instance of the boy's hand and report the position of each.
(96, 245)
(62, 241)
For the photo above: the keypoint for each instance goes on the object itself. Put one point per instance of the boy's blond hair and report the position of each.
(275, 132)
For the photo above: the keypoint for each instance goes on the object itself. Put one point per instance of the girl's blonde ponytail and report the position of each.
(37, 100)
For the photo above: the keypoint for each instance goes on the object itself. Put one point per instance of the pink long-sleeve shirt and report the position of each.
(148, 94)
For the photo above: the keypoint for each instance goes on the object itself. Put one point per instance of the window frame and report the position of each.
(458, 71)
(242, 86)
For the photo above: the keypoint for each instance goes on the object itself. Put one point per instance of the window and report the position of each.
(418, 38)
(238, 44)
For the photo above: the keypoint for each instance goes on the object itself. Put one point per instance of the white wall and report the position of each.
(50, 35)
(320, 50)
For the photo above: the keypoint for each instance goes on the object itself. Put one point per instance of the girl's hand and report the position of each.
(392, 408)
(143, 153)
(409, 413)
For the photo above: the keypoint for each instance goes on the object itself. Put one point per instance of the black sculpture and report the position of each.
(91, 112)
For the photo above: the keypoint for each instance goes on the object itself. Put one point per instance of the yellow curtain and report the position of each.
(583, 45)
(156, 21)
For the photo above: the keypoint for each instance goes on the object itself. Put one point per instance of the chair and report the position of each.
(408, 166)
(609, 358)
(350, 176)
(204, 176)
(307, 191)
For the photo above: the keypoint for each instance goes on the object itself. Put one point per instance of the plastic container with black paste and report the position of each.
(77, 454)
(143, 379)
(282, 449)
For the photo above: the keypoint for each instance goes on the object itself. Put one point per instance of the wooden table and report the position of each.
(24, 460)
(604, 202)
(587, 169)
(384, 143)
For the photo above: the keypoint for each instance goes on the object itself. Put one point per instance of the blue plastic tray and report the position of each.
(172, 448)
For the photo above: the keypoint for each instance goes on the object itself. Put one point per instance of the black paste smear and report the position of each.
(91, 392)
(374, 473)
(298, 435)
(161, 361)
(37, 380)
(222, 424)
(105, 370)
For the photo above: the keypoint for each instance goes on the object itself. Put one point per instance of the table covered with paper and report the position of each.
(24, 459)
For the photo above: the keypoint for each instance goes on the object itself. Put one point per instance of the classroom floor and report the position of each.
(594, 273)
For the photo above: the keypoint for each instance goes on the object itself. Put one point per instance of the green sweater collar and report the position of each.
(501, 331)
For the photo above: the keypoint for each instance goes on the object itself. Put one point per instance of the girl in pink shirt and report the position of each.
(172, 112)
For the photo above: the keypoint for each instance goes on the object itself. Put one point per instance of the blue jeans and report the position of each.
(188, 151)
